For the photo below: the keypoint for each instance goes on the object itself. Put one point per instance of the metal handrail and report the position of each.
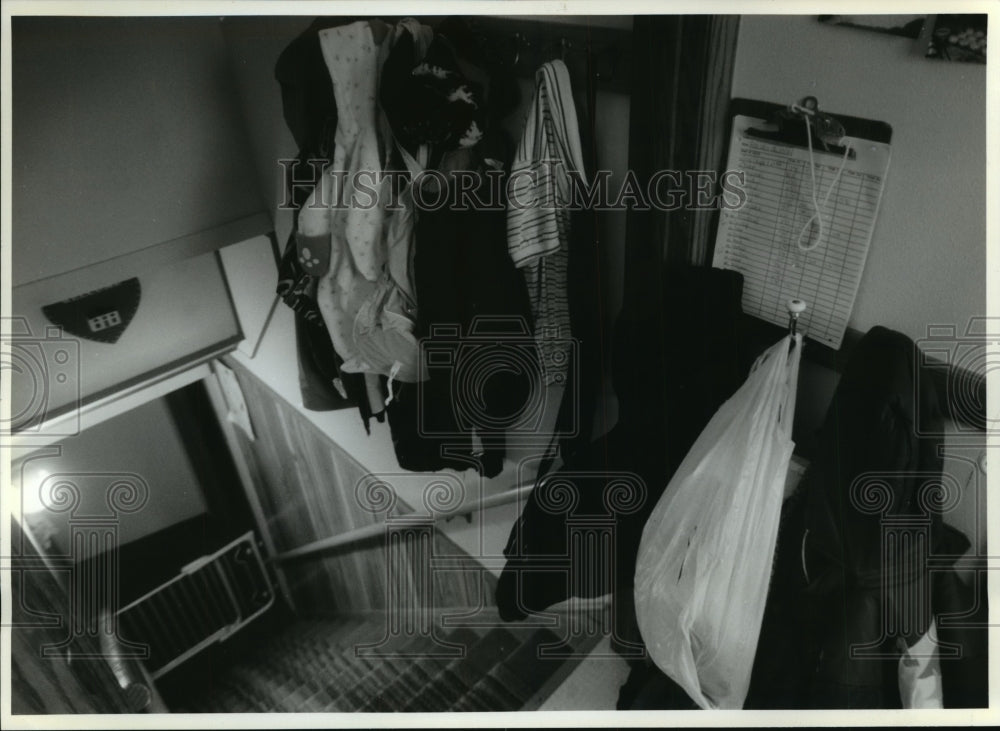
(357, 535)
(128, 674)
(367, 532)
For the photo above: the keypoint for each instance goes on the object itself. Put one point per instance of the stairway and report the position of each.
(313, 666)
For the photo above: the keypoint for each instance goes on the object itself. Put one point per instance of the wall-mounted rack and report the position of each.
(523, 45)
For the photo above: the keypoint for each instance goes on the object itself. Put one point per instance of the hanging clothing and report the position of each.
(308, 105)
(322, 383)
(348, 238)
(332, 232)
(581, 413)
(310, 113)
(428, 101)
(538, 218)
(835, 587)
(352, 59)
(473, 303)
(461, 271)
(650, 439)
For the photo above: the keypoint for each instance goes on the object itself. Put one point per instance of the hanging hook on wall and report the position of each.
(521, 47)
(595, 68)
(795, 308)
(564, 47)
(520, 43)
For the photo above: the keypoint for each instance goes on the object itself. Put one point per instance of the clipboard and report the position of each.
(763, 237)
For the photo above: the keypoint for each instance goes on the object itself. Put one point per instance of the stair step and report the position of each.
(382, 672)
(315, 666)
(305, 633)
(328, 661)
(529, 665)
(514, 683)
(463, 673)
(416, 679)
(489, 695)
(437, 695)
(488, 692)
(414, 673)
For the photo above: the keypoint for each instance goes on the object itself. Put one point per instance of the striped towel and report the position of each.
(538, 214)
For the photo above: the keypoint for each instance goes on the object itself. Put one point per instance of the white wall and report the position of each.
(253, 45)
(126, 135)
(143, 441)
(927, 261)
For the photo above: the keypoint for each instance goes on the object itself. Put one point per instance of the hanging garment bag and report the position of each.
(704, 561)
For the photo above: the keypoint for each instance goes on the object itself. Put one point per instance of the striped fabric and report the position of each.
(538, 214)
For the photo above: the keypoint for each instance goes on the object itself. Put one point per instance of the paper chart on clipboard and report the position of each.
(760, 239)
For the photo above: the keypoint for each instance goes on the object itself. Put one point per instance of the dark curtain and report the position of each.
(682, 76)
(719, 50)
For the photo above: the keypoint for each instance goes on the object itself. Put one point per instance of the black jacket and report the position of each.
(473, 314)
(852, 586)
(664, 403)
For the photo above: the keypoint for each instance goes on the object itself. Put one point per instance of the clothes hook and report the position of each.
(519, 42)
(808, 105)
(795, 308)
(590, 60)
(564, 46)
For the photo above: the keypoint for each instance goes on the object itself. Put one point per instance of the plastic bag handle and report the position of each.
(786, 411)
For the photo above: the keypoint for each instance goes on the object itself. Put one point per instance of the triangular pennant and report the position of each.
(100, 315)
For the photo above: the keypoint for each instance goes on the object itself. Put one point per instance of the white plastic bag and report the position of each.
(704, 562)
(920, 682)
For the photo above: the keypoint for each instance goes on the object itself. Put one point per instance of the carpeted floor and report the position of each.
(319, 666)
